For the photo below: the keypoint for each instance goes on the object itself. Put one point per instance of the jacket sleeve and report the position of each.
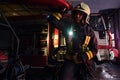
(55, 23)
(93, 45)
(92, 51)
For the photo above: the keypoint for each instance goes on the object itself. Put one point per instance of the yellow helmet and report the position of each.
(83, 7)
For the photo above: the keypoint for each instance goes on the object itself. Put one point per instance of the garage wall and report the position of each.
(116, 25)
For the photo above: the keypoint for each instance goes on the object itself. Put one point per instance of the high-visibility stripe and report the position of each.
(87, 40)
(57, 15)
(89, 54)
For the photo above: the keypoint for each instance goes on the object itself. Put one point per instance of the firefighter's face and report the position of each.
(78, 17)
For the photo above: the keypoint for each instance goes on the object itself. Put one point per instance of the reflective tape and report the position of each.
(87, 40)
(89, 54)
(57, 15)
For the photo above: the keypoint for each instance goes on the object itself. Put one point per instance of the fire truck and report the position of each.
(105, 39)
(34, 44)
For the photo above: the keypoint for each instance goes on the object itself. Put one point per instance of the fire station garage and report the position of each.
(32, 48)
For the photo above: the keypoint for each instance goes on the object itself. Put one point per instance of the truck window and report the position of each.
(98, 25)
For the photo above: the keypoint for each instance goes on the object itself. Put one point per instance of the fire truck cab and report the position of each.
(105, 38)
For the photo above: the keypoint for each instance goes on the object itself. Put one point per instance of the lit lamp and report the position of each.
(56, 38)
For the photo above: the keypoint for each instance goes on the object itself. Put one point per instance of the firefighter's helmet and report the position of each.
(82, 7)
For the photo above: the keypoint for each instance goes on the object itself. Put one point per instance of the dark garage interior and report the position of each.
(28, 40)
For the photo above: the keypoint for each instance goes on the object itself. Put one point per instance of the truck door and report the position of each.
(98, 24)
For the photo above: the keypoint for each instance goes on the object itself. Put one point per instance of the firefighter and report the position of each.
(81, 42)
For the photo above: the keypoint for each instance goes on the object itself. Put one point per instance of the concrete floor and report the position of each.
(108, 71)
(105, 71)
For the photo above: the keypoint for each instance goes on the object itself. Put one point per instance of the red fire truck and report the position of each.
(106, 43)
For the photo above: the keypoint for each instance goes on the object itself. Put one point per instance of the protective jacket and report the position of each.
(83, 40)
